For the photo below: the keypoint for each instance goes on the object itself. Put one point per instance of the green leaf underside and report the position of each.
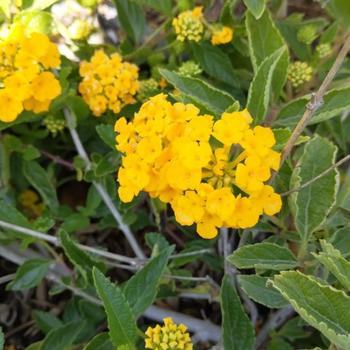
(255, 287)
(121, 322)
(256, 7)
(238, 332)
(323, 307)
(263, 256)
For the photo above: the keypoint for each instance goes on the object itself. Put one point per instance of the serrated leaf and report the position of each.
(313, 203)
(260, 88)
(80, 259)
(63, 337)
(121, 322)
(107, 134)
(255, 287)
(30, 274)
(213, 99)
(46, 321)
(332, 259)
(132, 18)
(323, 307)
(39, 179)
(341, 240)
(263, 256)
(215, 62)
(334, 103)
(100, 342)
(264, 39)
(256, 7)
(237, 330)
(141, 289)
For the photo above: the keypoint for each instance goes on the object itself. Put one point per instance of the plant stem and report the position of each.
(102, 191)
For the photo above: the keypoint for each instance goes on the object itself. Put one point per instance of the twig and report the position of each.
(58, 160)
(55, 241)
(276, 321)
(308, 183)
(7, 278)
(316, 100)
(205, 330)
(187, 254)
(101, 190)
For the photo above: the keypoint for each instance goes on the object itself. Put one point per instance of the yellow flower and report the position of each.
(25, 80)
(108, 83)
(231, 127)
(169, 153)
(222, 36)
(10, 106)
(188, 25)
(168, 337)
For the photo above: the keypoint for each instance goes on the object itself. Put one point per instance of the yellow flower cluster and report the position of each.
(168, 337)
(25, 77)
(221, 36)
(188, 25)
(31, 204)
(211, 172)
(108, 82)
(299, 73)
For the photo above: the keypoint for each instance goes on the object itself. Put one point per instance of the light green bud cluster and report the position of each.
(54, 124)
(299, 73)
(148, 88)
(307, 34)
(190, 69)
(323, 50)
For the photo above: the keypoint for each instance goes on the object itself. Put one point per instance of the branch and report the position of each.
(316, 100)
(55, 241)
(308, 183)
(58, 160)
(276, 321)
(101, 190)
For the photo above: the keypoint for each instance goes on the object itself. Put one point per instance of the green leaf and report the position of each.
(23, 118)
(260, 88)
(100, 342)
(63, 337)
(107, 134)
(35, 346)
(255, 287)
(75, 222)
(107, 164)
(215, 62)
(80, 259)
(341, 240)
(2, 339)
(164, 6)
(265, 39)
(312, 203)
(132, 18)
(334, 103)
(39, 179)
(213, 99)
(332, 259)
(30, 274)
(263, 256)
(237, 330)
(141, 289)
(323, 307)
(121, 322)
(256, 7)
(46, 321)
(11, 215)
(340, 9)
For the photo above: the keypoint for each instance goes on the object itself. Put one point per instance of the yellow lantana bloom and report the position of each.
(222, 36)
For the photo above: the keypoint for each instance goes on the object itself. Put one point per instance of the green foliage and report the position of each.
(263, 256)
(100, 342)
(30, 274)
(256, 7)
(309, 217)
(235, 321)
(121, 322)
(322, 306)
(2, 339)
